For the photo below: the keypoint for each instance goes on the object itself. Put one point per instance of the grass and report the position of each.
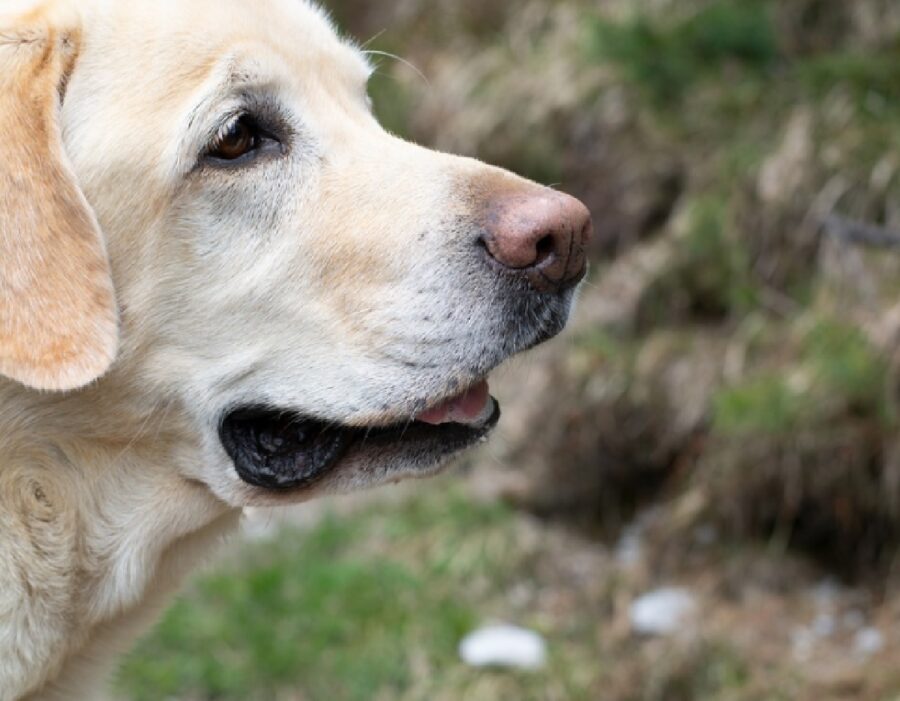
(704, 670)
(362, 607)
(836, 375)
(719, 72)
(372, 605)
(667, 59)
(305, 615)
(718, 270)
(669, 54)
(765, 404)
(864, 74)
(847, 365)
(709, 278)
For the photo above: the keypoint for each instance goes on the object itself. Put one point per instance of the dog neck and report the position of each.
(97, 530)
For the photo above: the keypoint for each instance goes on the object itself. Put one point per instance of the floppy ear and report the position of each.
(58, 320)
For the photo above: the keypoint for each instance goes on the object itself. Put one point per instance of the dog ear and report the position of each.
(58, 318)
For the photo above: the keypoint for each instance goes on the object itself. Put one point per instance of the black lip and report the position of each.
(281, 450)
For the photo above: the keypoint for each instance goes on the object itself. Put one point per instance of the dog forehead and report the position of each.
(182, 30)
(208, 17)
(291, 26)
(193, 14)
(173, 46)
(146, 66)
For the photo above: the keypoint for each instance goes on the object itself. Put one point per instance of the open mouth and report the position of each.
(279, 450)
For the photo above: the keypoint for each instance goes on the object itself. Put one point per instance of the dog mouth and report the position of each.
(279, 449)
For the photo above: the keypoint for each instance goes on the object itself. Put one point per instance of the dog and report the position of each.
(223, 285)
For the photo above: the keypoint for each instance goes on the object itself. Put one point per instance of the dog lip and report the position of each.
(280, 450)
(276, 449)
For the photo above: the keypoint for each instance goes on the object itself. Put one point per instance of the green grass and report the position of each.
(847, 365)
(764, 404)
(710, 276)
(862, 74)
(668, 54)
(842, 377)
(372, 605)
(718, 269)
(717, 76)
(367, 606)
(667, 58)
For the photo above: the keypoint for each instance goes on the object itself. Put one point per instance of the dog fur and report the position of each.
(142, 291)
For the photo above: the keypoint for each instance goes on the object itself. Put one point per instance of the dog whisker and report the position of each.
(372, 40)
(400, 59)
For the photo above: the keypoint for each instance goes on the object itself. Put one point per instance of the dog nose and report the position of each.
(543, 237)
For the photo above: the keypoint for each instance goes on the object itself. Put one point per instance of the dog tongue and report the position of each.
(468, 408)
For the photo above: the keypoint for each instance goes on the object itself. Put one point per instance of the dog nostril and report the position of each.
(546, 247)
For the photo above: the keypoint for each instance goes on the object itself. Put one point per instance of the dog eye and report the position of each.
(240, 138)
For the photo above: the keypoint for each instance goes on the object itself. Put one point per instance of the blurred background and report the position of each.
(694, 494)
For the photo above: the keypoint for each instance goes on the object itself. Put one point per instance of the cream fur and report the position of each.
(307, 283)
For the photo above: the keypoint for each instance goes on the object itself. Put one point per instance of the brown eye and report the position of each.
(236, 140)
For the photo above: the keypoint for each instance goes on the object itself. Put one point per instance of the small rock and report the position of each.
(662, 612)
(504, 646)
(868, 642)
(824, 626)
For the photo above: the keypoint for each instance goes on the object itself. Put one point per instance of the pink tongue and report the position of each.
(464, 408)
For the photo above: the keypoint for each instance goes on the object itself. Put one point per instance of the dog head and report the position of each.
(322, 299)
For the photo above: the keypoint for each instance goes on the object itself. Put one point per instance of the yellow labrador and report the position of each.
(222, 284)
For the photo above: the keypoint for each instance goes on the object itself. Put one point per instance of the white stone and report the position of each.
(504, 646)
(662, 612)
(868, 641)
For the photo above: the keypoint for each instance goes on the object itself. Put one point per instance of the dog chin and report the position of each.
(283, 454)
